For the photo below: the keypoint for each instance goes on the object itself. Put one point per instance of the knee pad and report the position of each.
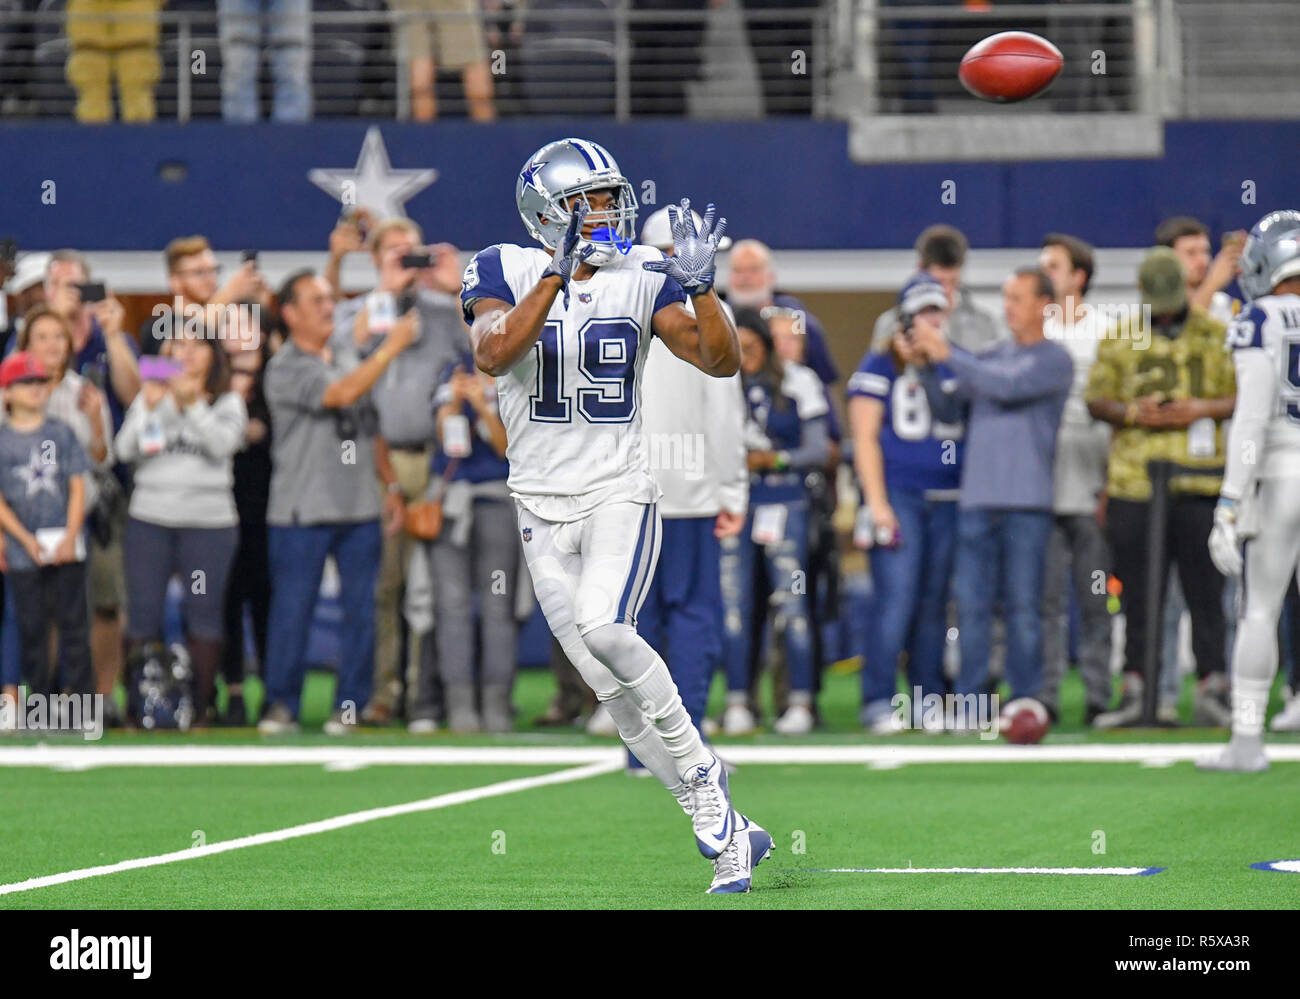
(620, 648)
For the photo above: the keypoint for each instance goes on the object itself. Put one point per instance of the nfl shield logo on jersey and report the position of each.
(584, 297)
(528, 534)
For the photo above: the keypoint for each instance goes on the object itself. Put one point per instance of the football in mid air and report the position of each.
(1010, 66)
(1024, 721)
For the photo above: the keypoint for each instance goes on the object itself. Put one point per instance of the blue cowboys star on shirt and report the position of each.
(39, 475)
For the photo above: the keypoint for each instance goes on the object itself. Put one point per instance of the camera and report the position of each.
(417, 260)
(93, 292)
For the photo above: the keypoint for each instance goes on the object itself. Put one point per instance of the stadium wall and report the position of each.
(791, 184)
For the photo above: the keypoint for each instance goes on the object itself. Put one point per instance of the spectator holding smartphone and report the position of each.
(1013, 394)
(105, 355)
(404, 400)
(42, 507)
(909, 467)
(193, 277)
(325, 500)
(786, 437)
(180, 435)
(477, 540)
(1205, 277)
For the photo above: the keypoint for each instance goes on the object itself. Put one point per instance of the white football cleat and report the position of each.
(737, 720)
(1288, 719)
(712, 817)
(1243, 754)
(734, 868)
(797, 720)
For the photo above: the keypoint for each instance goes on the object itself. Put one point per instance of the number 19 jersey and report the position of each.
(572, 405)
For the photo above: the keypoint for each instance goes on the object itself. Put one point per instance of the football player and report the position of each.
(565, 330)
(1261, 484)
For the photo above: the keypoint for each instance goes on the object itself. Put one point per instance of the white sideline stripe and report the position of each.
(81, 757)
(324, 825)
(1119, 871)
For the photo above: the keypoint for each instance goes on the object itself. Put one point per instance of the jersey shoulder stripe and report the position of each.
(484, 278)
(1247, 329)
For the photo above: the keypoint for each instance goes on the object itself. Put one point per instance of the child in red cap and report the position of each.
(42, 551)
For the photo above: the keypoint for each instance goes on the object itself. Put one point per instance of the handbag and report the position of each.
(424, 517)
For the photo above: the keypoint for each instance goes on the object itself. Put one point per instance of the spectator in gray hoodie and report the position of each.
(181, 434)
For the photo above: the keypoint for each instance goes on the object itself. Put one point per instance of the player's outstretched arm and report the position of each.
(707, 339)
(502, 334)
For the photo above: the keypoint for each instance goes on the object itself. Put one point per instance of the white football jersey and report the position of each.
(572, 405)
(1272, 325)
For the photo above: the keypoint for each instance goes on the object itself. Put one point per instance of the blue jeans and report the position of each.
(1001, 555)
(297, 560)
(785, 564)
(909, 607)
(287, 30)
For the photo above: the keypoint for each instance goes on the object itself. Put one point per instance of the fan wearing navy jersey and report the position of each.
(476, 541)
(786, 437)
(909, 467)
(566, 330)
(1259, 500)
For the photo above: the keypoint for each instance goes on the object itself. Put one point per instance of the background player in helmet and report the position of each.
(566, 331)
(1261, 483)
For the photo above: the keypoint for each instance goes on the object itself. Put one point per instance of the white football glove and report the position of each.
(1225, 545)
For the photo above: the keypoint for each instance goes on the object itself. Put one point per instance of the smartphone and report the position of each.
(248, 255)
(417, 260)
(93, 292)
(8, 250)
(158, 369)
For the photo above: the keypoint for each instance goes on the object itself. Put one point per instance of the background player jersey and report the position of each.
(913, 445)
(1191, 365)
(1272, 324)
(572, 405)
(773, 428)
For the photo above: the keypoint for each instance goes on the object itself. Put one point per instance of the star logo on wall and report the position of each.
(374, 183)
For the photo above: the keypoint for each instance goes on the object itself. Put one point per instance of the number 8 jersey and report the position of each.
(572, 405)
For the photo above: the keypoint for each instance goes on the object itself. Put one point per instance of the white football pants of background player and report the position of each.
(1271, 558)
(591, 576)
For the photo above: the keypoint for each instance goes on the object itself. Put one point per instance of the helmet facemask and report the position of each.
(614, 226)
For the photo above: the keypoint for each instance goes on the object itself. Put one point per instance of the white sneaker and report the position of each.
(712, 819)
(797, 720)
(1288, 719)
(737, 720)
(889, 724)
(277, 721)
(709, 728)
(601, 722)
(422, 726)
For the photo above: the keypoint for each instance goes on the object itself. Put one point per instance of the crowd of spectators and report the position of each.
(248, 445)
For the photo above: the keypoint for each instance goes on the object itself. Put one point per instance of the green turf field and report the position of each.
(610, 841)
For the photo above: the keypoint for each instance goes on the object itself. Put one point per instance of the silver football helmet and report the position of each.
(568, 167)
(1271, 254)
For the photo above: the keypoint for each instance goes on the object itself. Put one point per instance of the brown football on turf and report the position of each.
(1024, 721)
(1010, 66)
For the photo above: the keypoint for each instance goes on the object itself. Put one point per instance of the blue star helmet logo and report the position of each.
(529, 177)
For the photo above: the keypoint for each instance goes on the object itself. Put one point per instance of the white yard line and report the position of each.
(1113, 871)
(351, 757)
(324, 825)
